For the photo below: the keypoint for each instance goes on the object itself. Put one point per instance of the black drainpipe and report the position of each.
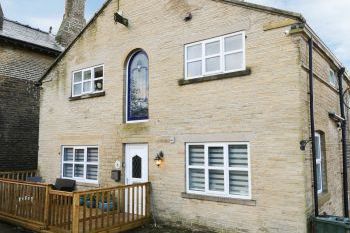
(312, 124)
(343, 133)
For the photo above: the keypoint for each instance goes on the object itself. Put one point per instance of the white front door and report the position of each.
(136, 171)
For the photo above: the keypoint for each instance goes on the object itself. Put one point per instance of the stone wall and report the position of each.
(17, 62)
(19, 122)
(326, 99)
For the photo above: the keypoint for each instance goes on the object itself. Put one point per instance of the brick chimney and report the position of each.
(73, 22)
(1, 18)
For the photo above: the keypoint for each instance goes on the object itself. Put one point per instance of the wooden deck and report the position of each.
(39, 208)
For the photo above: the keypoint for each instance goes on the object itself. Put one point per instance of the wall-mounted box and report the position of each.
(116, 175)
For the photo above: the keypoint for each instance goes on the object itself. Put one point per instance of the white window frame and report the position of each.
(222, 55)
(93, 79)
(85, 163)
(319, 161)
(335, 78)
(226, 169)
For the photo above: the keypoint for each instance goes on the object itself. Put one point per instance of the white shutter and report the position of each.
(238, 156)
(91, 172)
(239, 184)
(216, 180)
(196, 155)
(216, 156)
(68, 170)
(196, 179)
(92, 155)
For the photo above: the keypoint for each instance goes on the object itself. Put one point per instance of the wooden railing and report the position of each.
(23, 202)
(18, 175)
(37, 207)
(111, 208)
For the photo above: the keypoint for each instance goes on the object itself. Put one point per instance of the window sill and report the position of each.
(245, 72)
(86, 96)
(219, 199)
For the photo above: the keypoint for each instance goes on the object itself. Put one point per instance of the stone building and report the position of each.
(25, 54)
(220, 88)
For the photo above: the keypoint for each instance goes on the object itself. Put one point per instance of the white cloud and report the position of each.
(330, 19)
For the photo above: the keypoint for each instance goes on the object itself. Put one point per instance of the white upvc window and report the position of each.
(222, 54)
(332, 78)
(87, 81)
(319, 161)
(218, 169)
(80, 163)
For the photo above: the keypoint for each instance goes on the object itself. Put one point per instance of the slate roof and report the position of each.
(20, 33)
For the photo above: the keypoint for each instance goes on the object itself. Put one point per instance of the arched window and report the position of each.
(137, 87)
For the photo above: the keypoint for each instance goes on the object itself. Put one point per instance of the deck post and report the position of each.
(75, 214)
(47, 206)
(148, 200)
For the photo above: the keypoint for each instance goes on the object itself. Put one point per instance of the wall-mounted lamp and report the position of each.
(303, 144)
(159, 158)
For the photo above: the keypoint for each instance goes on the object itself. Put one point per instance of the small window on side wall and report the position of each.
(137, 88)
(332, 78)
(87, 81)
(223, 54)
(321, 168)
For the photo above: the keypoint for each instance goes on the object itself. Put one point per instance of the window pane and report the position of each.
(216, 156)
(138, 87)
(98, 86)
(216, 180)
(87, 87)
(67, 170)
(196, 155)
(137, 167)
(234, 61)
(196, 179)
(77, 77)
(87, 75)
(79, 170)
(77, 89)
(319, 177)
(238, 156)
(91, 172)
(68, 154)
(233, 43)
(92, 155)
(239, 184)
(318, 149)
(212, 64)
(194, 69)
(212, 48)
(194, 52)
(79, 155)
(98, 72)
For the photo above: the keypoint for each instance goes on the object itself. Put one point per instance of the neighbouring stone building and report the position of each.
(25, 54)
(220, 88)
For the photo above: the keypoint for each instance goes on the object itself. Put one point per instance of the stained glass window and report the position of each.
(137, 101)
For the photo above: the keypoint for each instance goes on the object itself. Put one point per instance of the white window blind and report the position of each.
(87, 81)
(218, 169)
(80, 163)
(214, 56)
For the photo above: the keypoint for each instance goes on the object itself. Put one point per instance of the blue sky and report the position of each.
(330, 19)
